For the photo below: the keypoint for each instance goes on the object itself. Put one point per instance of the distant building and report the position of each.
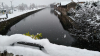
(2, 10)
(65, 6)
(52, 5)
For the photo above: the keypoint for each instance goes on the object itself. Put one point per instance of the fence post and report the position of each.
(0, 53)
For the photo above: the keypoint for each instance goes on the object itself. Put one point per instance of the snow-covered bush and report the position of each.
(87, 17)
(85, 12)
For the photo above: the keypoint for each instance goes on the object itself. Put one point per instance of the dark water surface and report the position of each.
(44, 22)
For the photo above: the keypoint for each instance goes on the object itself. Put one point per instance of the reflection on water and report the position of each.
(52, 11)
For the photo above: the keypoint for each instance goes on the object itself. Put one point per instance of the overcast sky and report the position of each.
(28, 2)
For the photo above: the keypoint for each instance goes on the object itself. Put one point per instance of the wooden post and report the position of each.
(5, 53)
(0, 54)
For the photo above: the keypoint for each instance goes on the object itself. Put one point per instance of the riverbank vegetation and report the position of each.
(34, 36)
(85, 20)
(87, 16)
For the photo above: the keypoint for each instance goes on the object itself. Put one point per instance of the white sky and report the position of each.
(28, 2)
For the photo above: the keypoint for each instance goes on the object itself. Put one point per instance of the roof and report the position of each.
(84, 0)
(68, 1)
(65, 2)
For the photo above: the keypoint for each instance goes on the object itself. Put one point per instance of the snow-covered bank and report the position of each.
(50, 48)
(58, 12)
(16, 50)
(17, 13)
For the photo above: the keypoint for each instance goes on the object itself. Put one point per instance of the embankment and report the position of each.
(5, 25)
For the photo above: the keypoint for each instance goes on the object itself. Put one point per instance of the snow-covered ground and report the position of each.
(17, 13)
(58, 12)
(50, 48)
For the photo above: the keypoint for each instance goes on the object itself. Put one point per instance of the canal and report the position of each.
(53, 27)
(44, 22)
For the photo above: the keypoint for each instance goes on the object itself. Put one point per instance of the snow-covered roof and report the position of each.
(84, 0)
(65, 2)
(55, 3)
(68, 1)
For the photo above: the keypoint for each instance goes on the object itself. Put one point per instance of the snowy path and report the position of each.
(51, 49)
(17, 13)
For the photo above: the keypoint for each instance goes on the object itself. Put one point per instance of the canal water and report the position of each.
(44, 22)
(55, 28)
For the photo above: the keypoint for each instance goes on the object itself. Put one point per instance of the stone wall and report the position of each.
(64, 10)
(66, 21)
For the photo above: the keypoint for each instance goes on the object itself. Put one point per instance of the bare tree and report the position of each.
(52, 5)
(22, 7)
(32, 6)
(6, 6)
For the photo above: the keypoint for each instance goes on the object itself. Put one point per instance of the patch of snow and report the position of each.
(72, 18)
(88, 20)
(17, 50)
(57, 38)
(58, 12)
(64, 35)
(65, 2)
(97, 16)
(69, 1)
(58, 5)
(8, 40)
(84, 0)
(51, 49)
